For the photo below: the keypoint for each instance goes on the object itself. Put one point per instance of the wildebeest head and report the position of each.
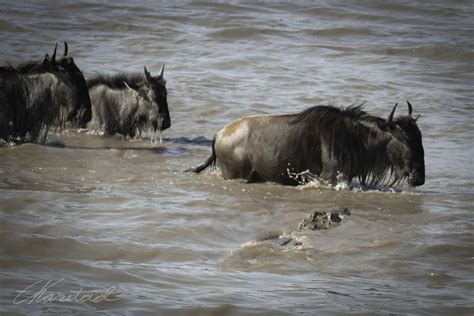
(72, 87)
(146, 114)
(405, 148)
(157, 85)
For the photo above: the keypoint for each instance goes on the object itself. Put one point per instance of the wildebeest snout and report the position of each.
(84, 115)
(417, 177)
(159, 122)
(165, 122)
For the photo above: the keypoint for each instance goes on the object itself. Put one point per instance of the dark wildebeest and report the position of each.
(127, 103)
(324, 141)
(36, 95)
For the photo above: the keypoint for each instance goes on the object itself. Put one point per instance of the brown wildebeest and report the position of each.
(326, 142)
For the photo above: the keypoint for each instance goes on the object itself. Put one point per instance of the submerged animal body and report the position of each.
(129, 103)
(325, 141)
(40, 94)
(317, 220)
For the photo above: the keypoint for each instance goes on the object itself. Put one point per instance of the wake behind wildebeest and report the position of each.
(129, 103)
(327, 142)
(36, 95)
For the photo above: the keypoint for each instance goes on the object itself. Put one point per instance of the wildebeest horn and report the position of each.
(65, 49)
(147, 74)
(410, 108)
(162, 70)
(390, 117)
(53, 58)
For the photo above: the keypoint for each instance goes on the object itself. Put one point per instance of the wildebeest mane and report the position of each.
(31, 67)
(26, 68)
(134, 80)
(352, 138)
(7, 70)
(323, 114)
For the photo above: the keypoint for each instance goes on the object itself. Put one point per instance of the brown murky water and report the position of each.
(101, 214)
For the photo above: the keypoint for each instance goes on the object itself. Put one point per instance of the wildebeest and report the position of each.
(127, 103)
(326, 142)
(35, 95)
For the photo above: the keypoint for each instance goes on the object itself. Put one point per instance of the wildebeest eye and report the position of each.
(143, 94)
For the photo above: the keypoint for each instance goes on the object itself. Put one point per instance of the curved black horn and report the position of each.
(65, 49)
(53, 58)
(390, 117)
(410, 108)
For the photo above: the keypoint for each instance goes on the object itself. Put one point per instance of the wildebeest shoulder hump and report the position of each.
(117, 81)
(326, 114)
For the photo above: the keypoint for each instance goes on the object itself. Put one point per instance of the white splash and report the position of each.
(307, 180)
(302, 177)
(342, 182)
(156, 136)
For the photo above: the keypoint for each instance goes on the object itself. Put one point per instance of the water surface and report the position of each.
(97, 212)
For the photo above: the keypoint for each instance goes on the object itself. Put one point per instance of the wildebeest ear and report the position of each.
(383, 125)
(47, 61)
(68, 60)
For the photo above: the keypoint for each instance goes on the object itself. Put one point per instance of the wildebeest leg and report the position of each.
(329, 163)
(158, 134)
(329, 174)
(234, 169)
(45, 134)
(254, 177)
(155, 136)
